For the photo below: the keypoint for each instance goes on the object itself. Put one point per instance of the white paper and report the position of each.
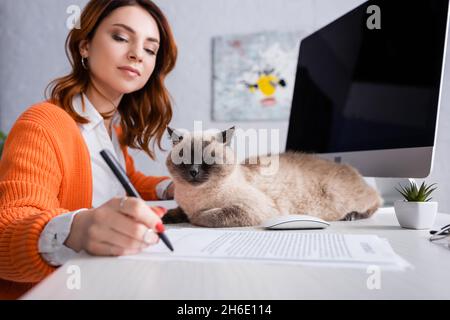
(275, 246)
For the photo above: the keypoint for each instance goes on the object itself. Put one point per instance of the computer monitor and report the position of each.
(370, 97)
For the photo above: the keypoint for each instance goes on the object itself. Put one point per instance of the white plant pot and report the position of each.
(416, 215)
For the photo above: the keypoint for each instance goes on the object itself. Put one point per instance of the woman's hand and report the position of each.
(118, 227)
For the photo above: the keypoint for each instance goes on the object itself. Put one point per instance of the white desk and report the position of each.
(113, 278)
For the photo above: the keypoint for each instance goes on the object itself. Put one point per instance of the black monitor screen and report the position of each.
(369, 89)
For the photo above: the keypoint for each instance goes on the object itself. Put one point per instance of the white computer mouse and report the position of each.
(295, 221)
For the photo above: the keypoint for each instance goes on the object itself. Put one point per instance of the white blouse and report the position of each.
(105, 184)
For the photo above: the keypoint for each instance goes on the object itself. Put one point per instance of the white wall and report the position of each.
(32, 35)
(196, 22)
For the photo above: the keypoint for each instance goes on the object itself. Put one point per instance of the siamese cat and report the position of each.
(213, 190)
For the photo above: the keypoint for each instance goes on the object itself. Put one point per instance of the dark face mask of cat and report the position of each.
(197, 166)
(195, 174)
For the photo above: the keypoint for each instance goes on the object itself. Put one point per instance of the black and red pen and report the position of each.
(120, 173)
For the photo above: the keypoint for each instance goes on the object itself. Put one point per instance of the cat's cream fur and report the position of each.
(233, 194)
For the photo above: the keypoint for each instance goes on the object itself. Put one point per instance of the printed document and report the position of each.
(275, 246)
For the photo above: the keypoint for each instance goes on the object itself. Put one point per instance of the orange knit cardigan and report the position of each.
(45, 171)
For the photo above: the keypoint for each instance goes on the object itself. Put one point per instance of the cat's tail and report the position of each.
(370, 200)
(368, 209)
(361, 199)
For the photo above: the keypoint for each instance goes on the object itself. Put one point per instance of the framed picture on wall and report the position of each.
(253, 75)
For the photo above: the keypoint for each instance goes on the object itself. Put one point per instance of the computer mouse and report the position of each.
(295, 221)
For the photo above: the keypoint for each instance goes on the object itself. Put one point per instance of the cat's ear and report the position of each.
(226, 136)
(175, 137)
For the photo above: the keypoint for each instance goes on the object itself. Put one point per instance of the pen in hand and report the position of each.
(120, 173)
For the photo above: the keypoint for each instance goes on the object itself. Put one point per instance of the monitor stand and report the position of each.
(386, 188)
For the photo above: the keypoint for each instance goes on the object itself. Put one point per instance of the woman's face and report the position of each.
(127, 38)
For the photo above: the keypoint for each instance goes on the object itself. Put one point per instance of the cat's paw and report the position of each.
(208, 218)
(232, 216)
(176, 215)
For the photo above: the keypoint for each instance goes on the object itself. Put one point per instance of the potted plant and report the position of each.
(416, 211)
(2, 141)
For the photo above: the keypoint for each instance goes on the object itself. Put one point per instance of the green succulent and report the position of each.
(413, 194)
